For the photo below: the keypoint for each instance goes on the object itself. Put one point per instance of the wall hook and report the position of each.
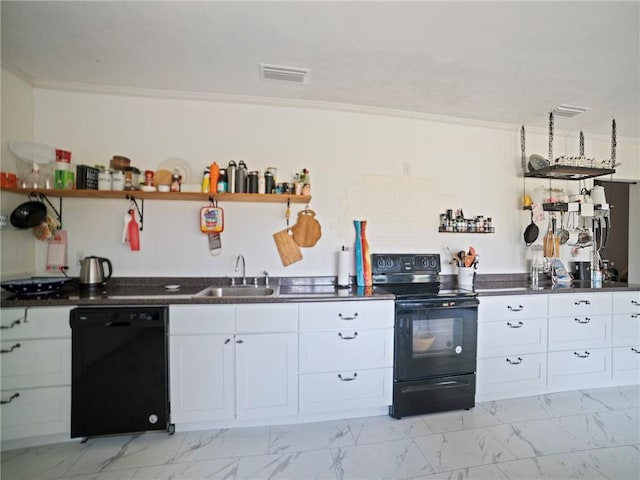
(132, 199)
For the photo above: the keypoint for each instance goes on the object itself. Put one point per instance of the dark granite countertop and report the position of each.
(153, 291)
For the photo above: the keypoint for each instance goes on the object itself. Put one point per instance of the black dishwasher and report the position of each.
(119, 365)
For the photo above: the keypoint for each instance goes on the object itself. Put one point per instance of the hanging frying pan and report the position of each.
(531, 232)
(28, 215)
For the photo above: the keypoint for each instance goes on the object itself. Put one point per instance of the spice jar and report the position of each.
(104, 179)
(117, 180)
(148, 178)
(131, 178)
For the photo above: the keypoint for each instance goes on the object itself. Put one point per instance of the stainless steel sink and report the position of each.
(236, 291)
(303, 290)
(502, 289)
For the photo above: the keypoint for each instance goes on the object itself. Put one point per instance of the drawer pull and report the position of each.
(582, 355)
(355, 315)
(586, 302)
(519, 308)
(13, 324)
(635, 315)
(355, 334)
(11, 398)
(239, 341)
(635, 302)
(227, 341)
(635, 350)
(519, 325)
(514, 362)
(347, 379)
(586, 320)
(13, 347)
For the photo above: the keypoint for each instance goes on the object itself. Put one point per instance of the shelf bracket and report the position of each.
(58, 211)
(132, 199)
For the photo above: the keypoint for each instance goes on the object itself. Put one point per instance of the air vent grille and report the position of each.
(284, 74)
(569, 110)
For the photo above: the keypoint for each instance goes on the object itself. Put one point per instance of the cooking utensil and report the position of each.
(549, 241)
(537, 162)
(211, 219)
(28, 215)
(92, 271)
(307, 230)
(531, 232)
(563, 234)
(34, 285)
(288, 249)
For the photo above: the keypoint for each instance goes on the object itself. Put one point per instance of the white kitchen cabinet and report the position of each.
(346, 355)
(626, 337)
(579, 332)
(580, 304)
(512, 346)
(511, 375)
(217, 373)
(266, 375)
(36, 372)
(202, 377)
(580, 368)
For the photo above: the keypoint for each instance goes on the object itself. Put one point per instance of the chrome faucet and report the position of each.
(244, 276)
(266, 278)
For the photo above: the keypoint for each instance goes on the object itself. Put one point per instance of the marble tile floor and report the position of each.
(592, 434)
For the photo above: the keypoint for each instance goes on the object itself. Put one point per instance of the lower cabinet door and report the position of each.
(201, 373)
(266, 375)
(35, 411)
(335, 391)
(580, 367)
(511, 374)
(626, 364)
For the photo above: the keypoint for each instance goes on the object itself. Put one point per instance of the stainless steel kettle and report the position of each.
(92, 271)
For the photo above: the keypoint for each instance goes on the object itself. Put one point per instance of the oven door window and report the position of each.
(440, 336)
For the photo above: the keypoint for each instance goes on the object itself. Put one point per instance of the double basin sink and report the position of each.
(276, 291)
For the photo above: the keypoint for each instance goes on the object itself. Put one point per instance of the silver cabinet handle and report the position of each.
(519, 325)
(514, 362)
(582, 355)
(347, 379)
(11, 398)
(519, 308)
(635, 350)
(355, 315)
(586, 320)
(586, 302)
(13, 347)
(355, 334)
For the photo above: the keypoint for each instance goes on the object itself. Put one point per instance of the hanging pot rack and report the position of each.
(559, 169)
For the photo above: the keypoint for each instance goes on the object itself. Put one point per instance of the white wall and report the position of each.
(16, 246)
(357, 163)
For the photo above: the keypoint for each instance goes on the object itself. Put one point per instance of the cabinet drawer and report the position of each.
(626, 302)
(626, 364)
(586, 331)
(194, 319)
(39, 322)
(36, 363)
(511, 373)
(580, 367)
(528, 335)
(328, 351)
(626, 329)
(512, 307)
(580, 304)
(35, 412)
(258, 318)
(351, 389)
(336, 315)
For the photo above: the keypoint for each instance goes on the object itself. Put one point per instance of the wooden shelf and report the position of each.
(185, 196)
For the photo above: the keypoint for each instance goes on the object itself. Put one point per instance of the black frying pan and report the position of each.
(28, 215)
(531, 232)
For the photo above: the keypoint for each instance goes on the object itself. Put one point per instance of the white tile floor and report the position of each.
(578, 434)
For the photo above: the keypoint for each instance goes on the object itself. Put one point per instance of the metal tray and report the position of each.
(35, 285)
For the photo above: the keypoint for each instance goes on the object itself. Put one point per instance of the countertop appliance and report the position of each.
(92, 271)
(436, 333)
(119, 366)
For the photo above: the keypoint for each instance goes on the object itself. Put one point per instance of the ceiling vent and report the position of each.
(284, 74)
(569, 110)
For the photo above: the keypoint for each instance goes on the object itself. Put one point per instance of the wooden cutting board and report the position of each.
(307, 230)
(287, 248)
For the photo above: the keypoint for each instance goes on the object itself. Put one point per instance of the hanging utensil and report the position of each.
(531, 232)
(563, 234)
